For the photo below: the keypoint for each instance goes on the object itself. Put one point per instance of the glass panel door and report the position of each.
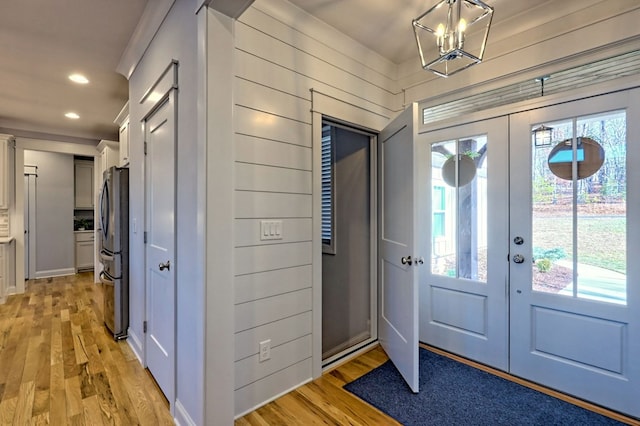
(574, 321)
(463, 305)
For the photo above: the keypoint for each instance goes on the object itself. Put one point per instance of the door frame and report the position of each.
(373, 237)
(371, 120)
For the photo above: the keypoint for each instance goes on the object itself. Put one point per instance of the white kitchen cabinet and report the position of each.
(7, 145)
(7, 268)
(122, 120)
(84, 250)
(109, 155)
(83, 184)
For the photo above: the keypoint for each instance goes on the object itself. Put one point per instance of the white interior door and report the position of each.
(575, 293)
(160, 139)
(464, 306)
(399, 251)
(30, 178)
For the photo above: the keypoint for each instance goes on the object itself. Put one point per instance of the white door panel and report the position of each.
(464, 306)
(578, 332)
(399, 251)
(160, 137)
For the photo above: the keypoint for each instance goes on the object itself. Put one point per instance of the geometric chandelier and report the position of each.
(452, 35)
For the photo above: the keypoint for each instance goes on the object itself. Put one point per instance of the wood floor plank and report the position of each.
(40, 420)
(8, 410)
(93, 415)
(24, 404)
(73, 396)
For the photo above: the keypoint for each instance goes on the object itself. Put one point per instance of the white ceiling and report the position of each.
(42, 42)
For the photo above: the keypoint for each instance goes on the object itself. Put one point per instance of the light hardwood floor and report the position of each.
(59, 365)
(323, 401)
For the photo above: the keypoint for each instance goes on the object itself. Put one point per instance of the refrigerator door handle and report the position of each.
(104, 256)
(104, 209)
(105, 279)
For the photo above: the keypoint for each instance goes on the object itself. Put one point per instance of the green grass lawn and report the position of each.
(601, 240)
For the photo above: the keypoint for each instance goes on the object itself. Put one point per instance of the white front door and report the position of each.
(399, 251)
(575, 238)
(464, 305)
(160, 139)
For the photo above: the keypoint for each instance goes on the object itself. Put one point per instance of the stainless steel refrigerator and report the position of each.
(114, 251)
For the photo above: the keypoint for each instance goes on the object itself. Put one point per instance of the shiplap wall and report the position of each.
(279, 59)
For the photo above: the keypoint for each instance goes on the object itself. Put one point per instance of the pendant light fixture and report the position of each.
(452, 35)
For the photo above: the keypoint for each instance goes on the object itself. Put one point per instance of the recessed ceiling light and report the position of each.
(78, 78)
(72, 115)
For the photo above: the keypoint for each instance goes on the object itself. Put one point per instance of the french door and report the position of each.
(463, 296)
(574, 232)
(530, 244)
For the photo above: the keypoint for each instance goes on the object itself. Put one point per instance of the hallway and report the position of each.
(58, 364)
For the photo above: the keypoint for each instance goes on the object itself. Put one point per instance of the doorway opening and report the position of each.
(349, 240)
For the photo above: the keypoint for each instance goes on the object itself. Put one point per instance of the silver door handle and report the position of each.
(518, 258)
(406, 260)
(163, 266)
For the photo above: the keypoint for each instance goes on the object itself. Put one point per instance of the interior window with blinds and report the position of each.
(328, 190)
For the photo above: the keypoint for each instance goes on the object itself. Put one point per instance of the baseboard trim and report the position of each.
(182, 417)
(136, 345)
(55, 273)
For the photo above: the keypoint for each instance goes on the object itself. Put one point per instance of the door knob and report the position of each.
(518, 258)
(518, 240)
(163, 266)
(406, 260)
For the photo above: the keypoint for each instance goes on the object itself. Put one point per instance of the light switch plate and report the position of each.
(270, 230)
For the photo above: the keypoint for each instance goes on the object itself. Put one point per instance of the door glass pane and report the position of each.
(552, 215)
(601, 212)
(579, 208)
(459, 208)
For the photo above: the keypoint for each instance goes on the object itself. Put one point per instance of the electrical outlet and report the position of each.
(265, 350)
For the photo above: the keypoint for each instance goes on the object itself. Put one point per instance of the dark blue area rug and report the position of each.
(452, 393)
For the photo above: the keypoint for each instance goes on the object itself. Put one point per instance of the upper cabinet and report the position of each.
(83, 184)
(7, 146)
(122, 120)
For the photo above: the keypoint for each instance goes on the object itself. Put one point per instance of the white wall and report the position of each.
(281, 54)
(175, 40)
(54, 212)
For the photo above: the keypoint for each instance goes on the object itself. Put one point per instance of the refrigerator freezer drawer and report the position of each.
(116, 309)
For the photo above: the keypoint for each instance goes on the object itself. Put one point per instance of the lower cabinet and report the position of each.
(7, 270)
(84, 250)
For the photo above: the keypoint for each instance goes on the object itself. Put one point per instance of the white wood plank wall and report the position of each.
(280, 55)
